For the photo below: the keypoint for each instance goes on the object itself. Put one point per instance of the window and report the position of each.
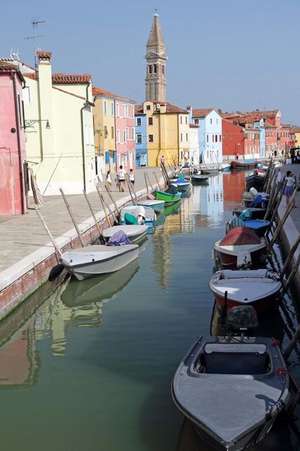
(105, 131)
(112, 132)
(213, 138)
(180, 119)
(104, 105)
(196, 121)
(112, 108)
(220, 138)
(181, 137)
(148, 107)
(155, 68)
(150, 121)
(216, 138)
(151, 140)
(138, 121)
(163, 70)
(150, 69)
(139, 138)
(211, 121)
(126, 134)
(117, 109)
(186, 120)
(118, 137)
(186, 137)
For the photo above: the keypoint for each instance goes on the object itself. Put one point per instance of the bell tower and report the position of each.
(156, 64)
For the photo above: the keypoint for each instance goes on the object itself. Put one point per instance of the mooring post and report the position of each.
(92, 213)
(146, 182)
(72, 217)
(107, 216)
(57, 250)
(157, 181)
(111, 198)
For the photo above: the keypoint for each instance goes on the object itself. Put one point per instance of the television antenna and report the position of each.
(35, 23)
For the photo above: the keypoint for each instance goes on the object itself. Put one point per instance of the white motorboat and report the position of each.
(157, 205)
(98, 259)
(139, 211)
(135, 232)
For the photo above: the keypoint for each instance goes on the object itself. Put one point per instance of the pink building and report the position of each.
(12, 141)
(125, 132)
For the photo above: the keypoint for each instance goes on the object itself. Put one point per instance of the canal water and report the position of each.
(89, 368)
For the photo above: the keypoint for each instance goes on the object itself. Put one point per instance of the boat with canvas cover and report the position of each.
(180, 184)
(94, 260)
(133, 214)
(232, 389)
(136, 233)
(259, 226)
(251, 212)
(260, 288)
(169, 198)
(240, 248)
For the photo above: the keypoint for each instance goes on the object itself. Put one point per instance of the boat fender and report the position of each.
(55, 272)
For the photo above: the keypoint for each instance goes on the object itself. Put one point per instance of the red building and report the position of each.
(12, 141)
(251, 143)
(233, 140)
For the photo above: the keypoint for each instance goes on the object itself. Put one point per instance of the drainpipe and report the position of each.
(21, 174)
(82, 135)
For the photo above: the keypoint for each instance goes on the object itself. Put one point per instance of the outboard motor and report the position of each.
(241, 319)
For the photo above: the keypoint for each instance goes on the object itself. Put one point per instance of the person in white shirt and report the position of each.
(131, 176)
(121, 178)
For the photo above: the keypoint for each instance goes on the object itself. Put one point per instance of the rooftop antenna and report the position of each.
(35, 36)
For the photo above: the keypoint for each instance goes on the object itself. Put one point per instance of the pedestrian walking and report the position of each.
(131, 176)
(121, 178)
(108, 179)
(289, 187)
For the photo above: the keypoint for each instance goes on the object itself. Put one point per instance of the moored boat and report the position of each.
(180, 184)
(200, 179)
(157, 205)
(169, 198)
(138, 214)
(136, 232)
(259, 226)
(232, 389)
(256, 180)
(251, 212)
(243, 164)
(98, 259)
(260, 288)
(240, 248)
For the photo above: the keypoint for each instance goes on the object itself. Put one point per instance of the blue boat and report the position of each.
(259, 226)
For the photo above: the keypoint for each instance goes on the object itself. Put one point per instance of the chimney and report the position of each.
(44, 71)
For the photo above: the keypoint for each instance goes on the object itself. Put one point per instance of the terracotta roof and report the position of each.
(9, 67)
(70, 79)
(102, 92)
(43, 54)
(170, 108)
(201, 112)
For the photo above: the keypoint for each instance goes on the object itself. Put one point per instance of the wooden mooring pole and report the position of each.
(103, 204)
(92, 213)
(72, 217)
(57, 250)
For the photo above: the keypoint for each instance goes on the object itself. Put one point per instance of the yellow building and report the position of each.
(104, 126)
(296, 131)
(59, 128)
(167, 132)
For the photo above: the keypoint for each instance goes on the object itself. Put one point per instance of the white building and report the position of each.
(210, 135)
(194, 144)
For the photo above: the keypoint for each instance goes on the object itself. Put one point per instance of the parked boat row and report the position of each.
(233, 386)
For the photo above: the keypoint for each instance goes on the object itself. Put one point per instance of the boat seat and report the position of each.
(235, 363)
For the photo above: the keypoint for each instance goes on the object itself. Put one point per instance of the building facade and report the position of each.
(233, 141)
(155, 89)
(12, 142)
(194, 144)
(59, 129)
(164, 130)
(141, 141)
(125, 132)
(210, 135)
(105, 128)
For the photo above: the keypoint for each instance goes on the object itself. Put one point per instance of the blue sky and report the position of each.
(231, 54)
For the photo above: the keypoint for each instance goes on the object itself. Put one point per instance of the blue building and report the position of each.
(262, 137)
(141, 140)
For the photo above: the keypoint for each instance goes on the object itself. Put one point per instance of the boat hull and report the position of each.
(170, 199)
(261, 305)
(225, 260)
(85, 270)
(202, 180)
(236, 164)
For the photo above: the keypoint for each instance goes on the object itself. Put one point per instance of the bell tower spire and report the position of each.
(156, 63)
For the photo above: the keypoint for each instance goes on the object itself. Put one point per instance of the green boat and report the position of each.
(169, 198)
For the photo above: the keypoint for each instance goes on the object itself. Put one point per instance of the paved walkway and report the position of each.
(295, 168)
(22, 236)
